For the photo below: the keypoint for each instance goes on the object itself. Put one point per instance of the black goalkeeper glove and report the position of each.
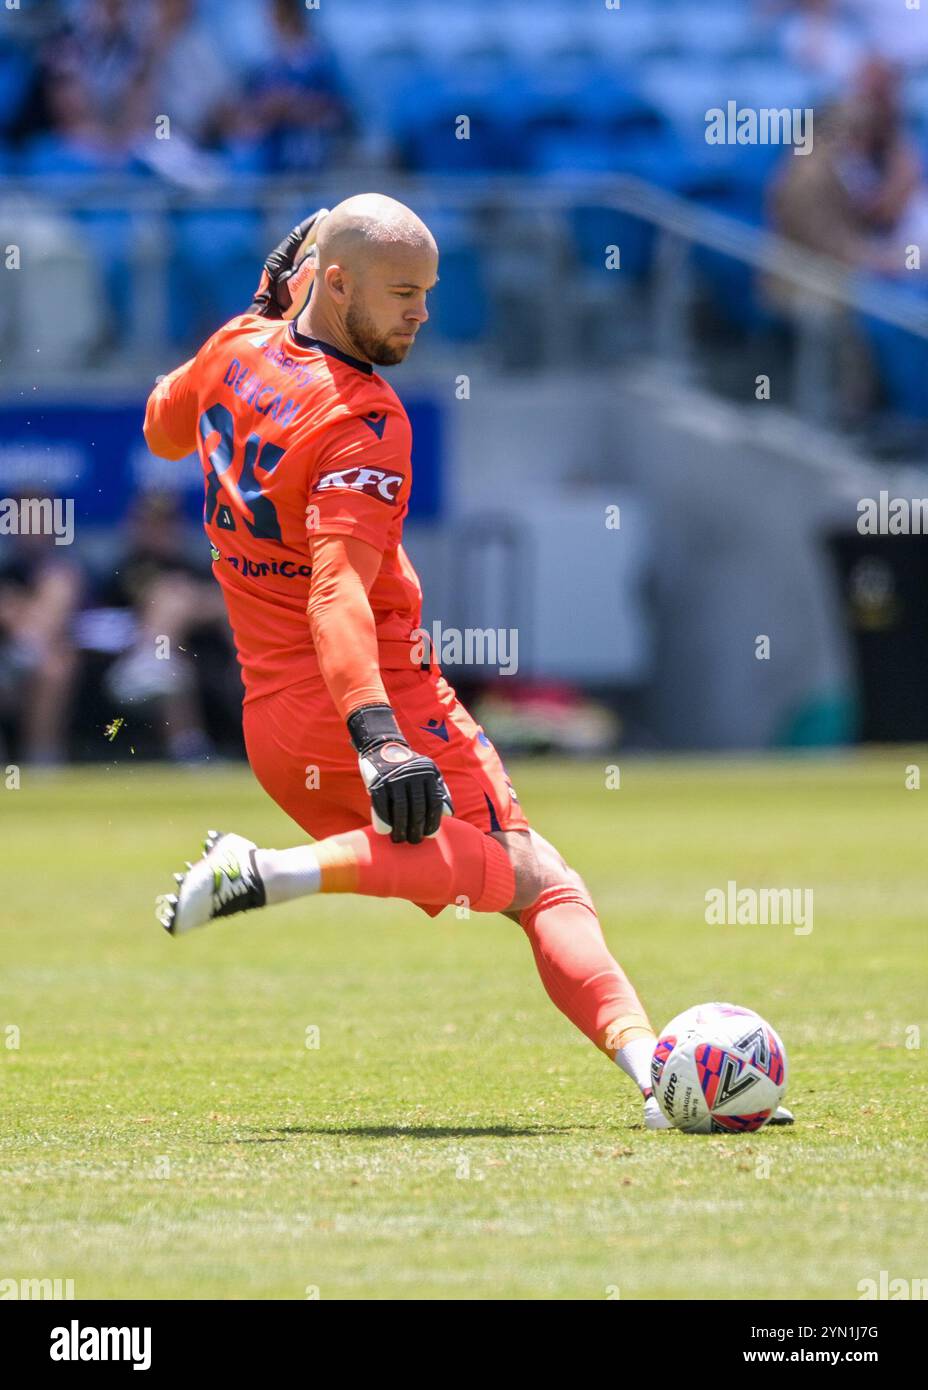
(288, 273)
(407, 791)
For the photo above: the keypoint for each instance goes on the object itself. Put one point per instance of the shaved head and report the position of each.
(376, 264)
(368, 226)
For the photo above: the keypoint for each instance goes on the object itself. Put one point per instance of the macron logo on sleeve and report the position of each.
(373, 481)
(376, 422)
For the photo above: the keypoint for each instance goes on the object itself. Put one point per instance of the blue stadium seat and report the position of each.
(901, 361)
(751, 168)
(48, 156)
(732, 284)
(608, 126)
(728, 188)
(594, 228)
(431, 146)
(16, 76)
(380, 84)
(199, 302)
(488, 85)
(459, 308)
(610, 130)
(571, 85)
(684, 91)
(733, 287)
(771, 82)
(732, 28)
(427, 136)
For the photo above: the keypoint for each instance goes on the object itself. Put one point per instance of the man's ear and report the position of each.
(336, 282)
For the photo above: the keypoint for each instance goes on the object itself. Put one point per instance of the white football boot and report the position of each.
(654, 1117)
(224, 881)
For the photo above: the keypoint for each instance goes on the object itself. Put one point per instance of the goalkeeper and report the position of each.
(305, 451)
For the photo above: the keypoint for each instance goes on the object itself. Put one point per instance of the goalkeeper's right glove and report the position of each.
(288, 273)
(408, 793)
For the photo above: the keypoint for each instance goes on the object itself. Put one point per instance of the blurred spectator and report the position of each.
(79, 140)
(296, 112)
(189, 84)
(40, 589)
(104, 44)
(859, 196)
(111, 70)
(173, 605)
(889, 174)
(188, 79)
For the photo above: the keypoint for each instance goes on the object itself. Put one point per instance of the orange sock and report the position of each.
(578, 972)
(459, 862)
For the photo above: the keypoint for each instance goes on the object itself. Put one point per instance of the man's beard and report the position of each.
(363, 334)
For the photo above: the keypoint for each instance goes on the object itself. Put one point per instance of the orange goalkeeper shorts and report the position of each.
(300, 752)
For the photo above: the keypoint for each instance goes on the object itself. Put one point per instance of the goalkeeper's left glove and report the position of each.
(407, 791)
(287, 277)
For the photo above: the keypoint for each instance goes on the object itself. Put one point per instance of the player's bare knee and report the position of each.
(537, 866)
(525, 867)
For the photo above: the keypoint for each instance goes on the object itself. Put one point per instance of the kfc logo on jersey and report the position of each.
(374, 481)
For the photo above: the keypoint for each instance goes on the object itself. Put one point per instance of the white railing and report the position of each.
(486, 203)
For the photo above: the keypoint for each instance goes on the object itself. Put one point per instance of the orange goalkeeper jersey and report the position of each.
(296, 439)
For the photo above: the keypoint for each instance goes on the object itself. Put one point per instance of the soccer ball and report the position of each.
(718, 1069)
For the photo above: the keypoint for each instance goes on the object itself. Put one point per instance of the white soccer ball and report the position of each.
(718, 1069)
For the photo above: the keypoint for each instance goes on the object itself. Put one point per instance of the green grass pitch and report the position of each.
(166, 1131)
